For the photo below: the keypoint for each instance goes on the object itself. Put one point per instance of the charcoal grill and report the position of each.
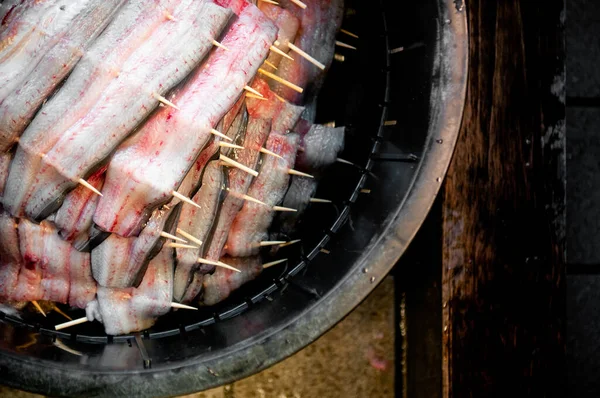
(401, 98)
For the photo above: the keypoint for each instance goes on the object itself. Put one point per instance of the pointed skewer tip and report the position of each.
(89, 186)
(185, 199)
(167, 235)
(272, 263)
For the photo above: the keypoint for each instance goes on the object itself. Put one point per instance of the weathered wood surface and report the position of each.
(503, 285)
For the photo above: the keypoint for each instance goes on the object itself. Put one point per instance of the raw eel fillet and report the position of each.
(321, 145)
(297, 197)
(319, 24)
(238, 183)
(148, 167)
(31, 34)
(288, 26)
(19, 106)
(10, 255)
(5, 159)
(252, 223)
(133, 309)
(218, 286)
(283, 114)
(172, 51)
(74, 218)
(198, 222)
(120, 262)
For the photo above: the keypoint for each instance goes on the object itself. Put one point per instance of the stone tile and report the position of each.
(354, 359)
(583, 185)
(583, 48)
(583, 335)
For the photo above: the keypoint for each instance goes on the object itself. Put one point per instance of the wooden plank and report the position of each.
(503, 285)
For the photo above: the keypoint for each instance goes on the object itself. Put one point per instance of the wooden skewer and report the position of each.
(309, 58)
(342, 44)
(349, 33)
(339, 57)
(325, 251)
(344, 161)
(266, 151)
(250, 95)
(37, 305)
(170, 17)
(238, 165)
(330, 124)
(272, 263)
(283, 54)
(217, 44)
(290, 243)
(89, 186)
(217, 264)
(316, 200)
(185, 199)
(390, 123)
(270, 2)
(189, 236)
(183, 306)
(229, 145)
(364, 190)
(279, 98)
(71, 323)
(299, 3)
(271, 242)
(280, 80)
(299, 173)
(219, 134)
(281, 208)
(253, 91)
(84, 319)
(55, 308)
(167, 235)
(181, 246)
(270, 64)
(164, 100)
(246, 197)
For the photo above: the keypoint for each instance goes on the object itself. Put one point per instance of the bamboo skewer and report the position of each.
(238, 165)
(71, 323)
(278, 51)
(167, 235)
(253, 91)
(217, 44)
(299, 3)
(170, 17)
(340, 160)
(299, 173)
(316, 200)
(279, 97)
(189, 236)
(266, 151)
(246, 197)
(349, 33)
(183, 306)
(181, 246)
(342, 44)
(272, 263)
(38, 307)
(270, 2)
(271, 243)
(89, 186)
(164, 100)
(306, 56)
(250, 95)
(281, 208)
(270, 64)
(185, 199)
(84, 319)
(229, 145)
(217, 264)
(282, 81)
(55, 308)
(292, 242)
(219, 134)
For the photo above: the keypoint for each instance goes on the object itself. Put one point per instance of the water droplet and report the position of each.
(446, 328)
(438, 179)
(528, 141)
(365, 270)
(447, 21)
(439, 141)
(445, 304)
(372, 279)
(527, 164)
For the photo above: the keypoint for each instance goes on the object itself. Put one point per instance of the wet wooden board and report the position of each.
(503, 284)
